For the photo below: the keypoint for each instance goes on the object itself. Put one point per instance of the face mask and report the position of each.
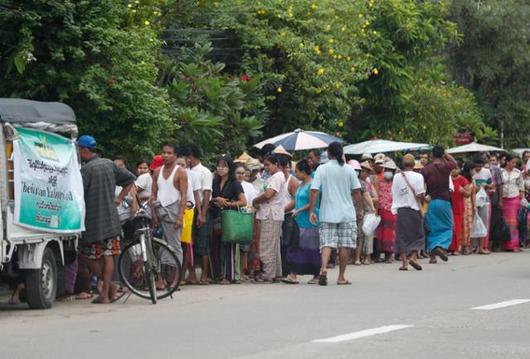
(222, 171)
(388, 175)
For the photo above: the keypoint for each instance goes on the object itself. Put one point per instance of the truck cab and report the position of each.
(32, 255)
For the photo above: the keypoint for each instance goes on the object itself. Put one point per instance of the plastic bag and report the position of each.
(479, 229)
(370, 223)
(482, 198)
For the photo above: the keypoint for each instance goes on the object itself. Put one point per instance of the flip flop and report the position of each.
(118, 297)
(346, 282)
(440, 253)
(323, 279)
(415, 265)
(84, 297)
(403, 268)
(289, 281)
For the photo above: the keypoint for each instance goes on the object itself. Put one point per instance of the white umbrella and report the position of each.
(474, 147)
(382, 146)
(519, 151)
(300, 140)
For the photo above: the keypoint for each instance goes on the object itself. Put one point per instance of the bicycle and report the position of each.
(148, 266)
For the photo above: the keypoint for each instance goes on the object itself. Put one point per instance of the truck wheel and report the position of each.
(41, 284)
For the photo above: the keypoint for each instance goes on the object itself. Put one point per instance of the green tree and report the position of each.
(494, 62)
(401, 35)
(210, 107)
(305, 53)
(99, 57)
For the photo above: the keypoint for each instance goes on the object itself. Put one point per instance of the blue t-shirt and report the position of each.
(302, 199)
(336, 183)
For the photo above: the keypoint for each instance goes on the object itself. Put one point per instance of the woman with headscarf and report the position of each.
(385, 234)
(227, 195)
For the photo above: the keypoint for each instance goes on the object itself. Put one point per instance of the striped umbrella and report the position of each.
(300, 140)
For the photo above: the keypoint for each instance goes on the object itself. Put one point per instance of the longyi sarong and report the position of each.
(440, 220)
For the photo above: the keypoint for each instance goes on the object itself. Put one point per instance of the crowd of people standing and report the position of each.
(310, 215)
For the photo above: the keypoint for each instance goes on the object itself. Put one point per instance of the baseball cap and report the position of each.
(157, 162)
(86, 141)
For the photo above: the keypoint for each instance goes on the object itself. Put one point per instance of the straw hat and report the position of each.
(418, 165)
(366, 165)
(244, 158)
(379, 159)
(366, 157)
(390, 164)
(280, 150)
(355, 164)
(254, 164)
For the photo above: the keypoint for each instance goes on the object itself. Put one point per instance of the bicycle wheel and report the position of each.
(168, 268)
(162, 277)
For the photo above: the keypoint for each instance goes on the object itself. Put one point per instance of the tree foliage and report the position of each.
(494, 62)
(210, 107)
(223, 73)
(95, 56)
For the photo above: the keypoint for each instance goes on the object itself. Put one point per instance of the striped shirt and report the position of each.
(100, 178)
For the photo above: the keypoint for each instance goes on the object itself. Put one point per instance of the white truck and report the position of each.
(33, 257)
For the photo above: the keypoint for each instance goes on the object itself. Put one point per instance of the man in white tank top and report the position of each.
(169, 196)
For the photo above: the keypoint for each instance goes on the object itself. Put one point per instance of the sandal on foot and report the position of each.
(313, 281)
(415, 265)
(440, 253)
(403, 268)
(346, 282)
(323, 279)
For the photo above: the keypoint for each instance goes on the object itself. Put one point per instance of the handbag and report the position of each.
(237, 226)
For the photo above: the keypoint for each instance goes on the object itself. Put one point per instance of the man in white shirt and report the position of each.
(202, 231)
(408, 190)
(192, 210)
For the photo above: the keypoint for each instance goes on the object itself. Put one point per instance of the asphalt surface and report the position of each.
(432, 310)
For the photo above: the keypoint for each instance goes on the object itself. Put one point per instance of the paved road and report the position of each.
(283, 321)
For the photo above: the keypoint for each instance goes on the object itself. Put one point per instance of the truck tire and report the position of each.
(41, 284)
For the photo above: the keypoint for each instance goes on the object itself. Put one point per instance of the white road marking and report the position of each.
(508, 303)
(362, 334)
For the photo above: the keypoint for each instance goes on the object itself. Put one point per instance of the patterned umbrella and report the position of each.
(300, 140)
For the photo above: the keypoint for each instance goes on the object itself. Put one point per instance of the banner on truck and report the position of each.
(49, 192)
